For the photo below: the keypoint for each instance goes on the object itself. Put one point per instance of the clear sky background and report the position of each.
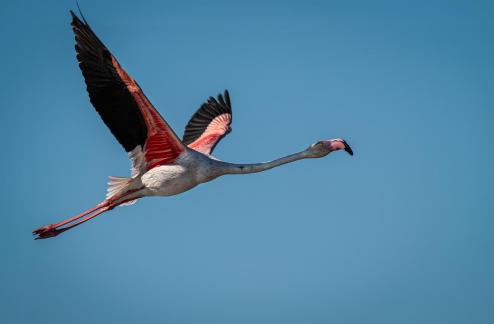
(400, 233)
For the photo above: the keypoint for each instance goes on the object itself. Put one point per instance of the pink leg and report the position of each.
(69, 220)
(55, 229)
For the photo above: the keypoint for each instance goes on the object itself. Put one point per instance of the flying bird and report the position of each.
(162, 163)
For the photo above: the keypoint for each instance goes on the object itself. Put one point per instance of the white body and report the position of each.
(190, 169)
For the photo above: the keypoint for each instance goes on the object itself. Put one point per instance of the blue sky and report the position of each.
(400, 233)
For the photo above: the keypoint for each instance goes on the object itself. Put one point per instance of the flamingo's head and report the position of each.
(323, 148)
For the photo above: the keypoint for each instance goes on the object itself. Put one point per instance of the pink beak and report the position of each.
(340, 144)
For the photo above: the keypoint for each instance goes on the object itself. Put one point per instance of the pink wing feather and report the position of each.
(209, 124)
(162, 146)
(121, 103)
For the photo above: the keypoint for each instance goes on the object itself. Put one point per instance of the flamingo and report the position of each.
(162, 163)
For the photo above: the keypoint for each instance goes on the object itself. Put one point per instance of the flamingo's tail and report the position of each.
(117, 185)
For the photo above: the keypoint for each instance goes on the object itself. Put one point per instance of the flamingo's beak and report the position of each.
(348, 149)
(338, 144)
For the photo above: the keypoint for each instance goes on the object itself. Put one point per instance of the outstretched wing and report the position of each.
(122, 105)
(210, 123)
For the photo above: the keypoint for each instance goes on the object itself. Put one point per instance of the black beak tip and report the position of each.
(348, 149)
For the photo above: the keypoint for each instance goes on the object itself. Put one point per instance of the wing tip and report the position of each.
(225, 100)
(76, 19)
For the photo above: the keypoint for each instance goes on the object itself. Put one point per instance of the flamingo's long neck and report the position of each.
(235, 168)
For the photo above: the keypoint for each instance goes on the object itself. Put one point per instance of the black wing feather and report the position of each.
(107, 91)
(204, 115)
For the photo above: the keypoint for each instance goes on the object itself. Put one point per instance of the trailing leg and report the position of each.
(60, 227)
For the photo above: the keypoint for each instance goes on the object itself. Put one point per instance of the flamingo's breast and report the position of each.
(189, 170)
